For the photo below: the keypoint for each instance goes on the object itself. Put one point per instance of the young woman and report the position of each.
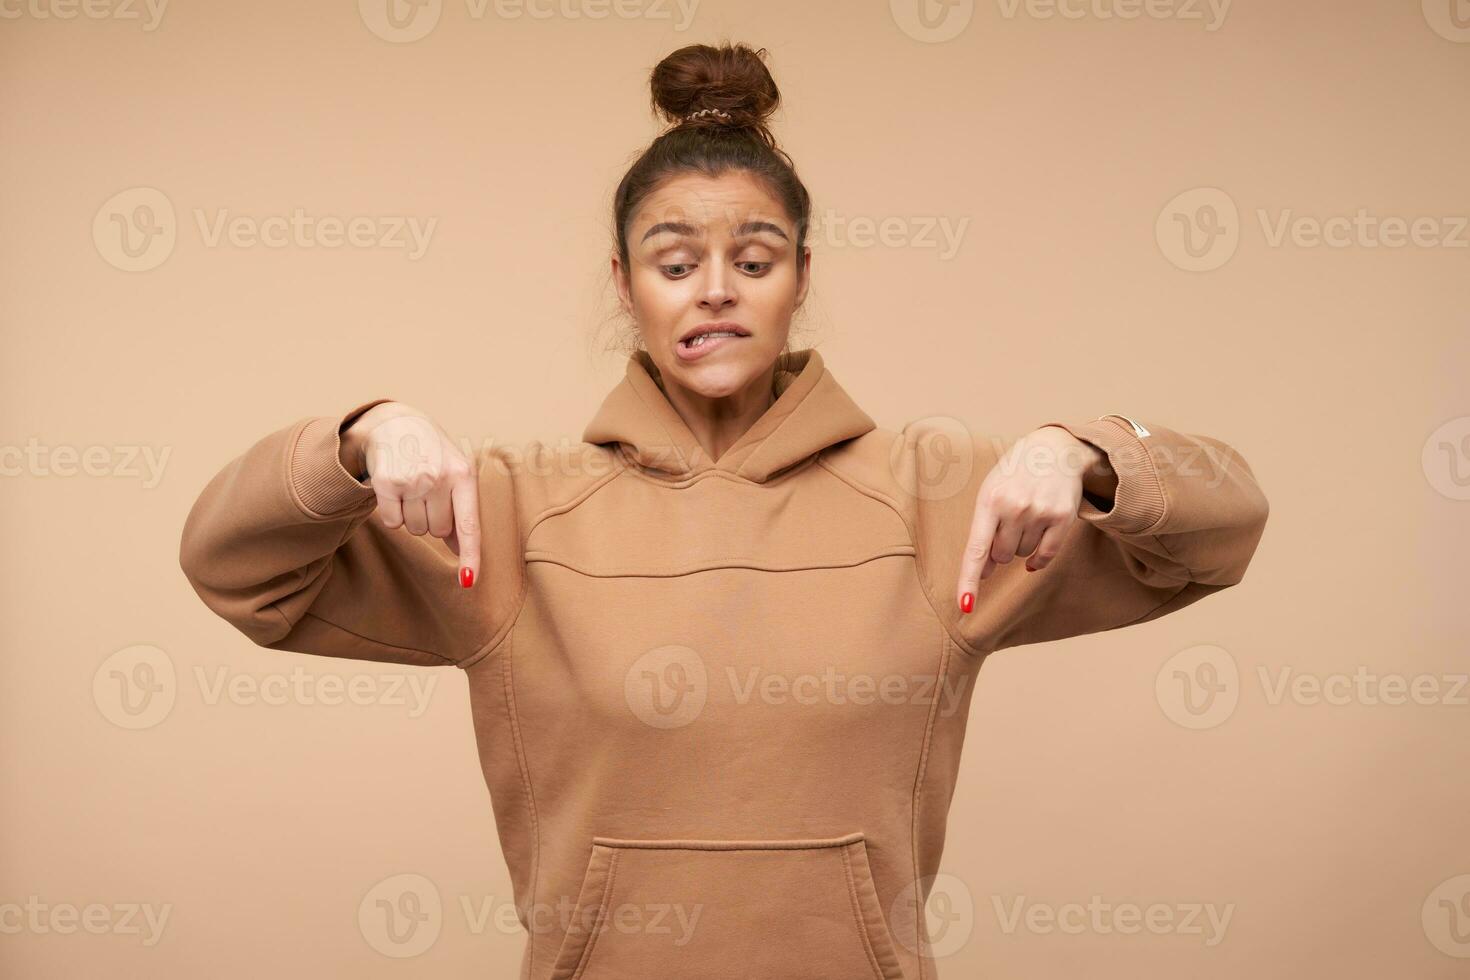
(720, 652)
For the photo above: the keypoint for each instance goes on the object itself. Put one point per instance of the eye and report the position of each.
(676, 270)
(760, 267)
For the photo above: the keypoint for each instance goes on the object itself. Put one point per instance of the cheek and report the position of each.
(650, 290)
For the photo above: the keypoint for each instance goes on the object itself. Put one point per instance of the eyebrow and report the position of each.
(690, 231)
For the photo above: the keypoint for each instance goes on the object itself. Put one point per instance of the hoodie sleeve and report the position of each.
(1184, 522)
(280, 546)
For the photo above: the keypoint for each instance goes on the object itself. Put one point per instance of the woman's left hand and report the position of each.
(1026, 504)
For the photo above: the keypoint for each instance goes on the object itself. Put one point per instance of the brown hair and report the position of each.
(732, 79)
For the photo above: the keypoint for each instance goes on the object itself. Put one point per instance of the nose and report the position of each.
(719, 287)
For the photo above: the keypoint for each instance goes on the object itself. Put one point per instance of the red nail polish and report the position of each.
(467, 577)
(967, 602)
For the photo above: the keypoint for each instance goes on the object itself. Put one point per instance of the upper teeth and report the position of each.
(713, 333)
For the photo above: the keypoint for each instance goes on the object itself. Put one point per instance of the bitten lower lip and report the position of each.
(712, 344)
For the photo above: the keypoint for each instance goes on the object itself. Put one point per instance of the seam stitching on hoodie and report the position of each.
(941, 676)
(290, 476)
(566, 507)
(497, 637)
(1172, 596)
(550, 558)
(689, 480)
(586, 957)
(653, 414)
(883, 498)
(515, 728)
(369, 639)
(857, 914)
(766, 439)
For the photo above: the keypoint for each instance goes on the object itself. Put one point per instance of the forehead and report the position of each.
(716, 204)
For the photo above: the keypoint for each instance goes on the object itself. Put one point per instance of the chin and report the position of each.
(713, 379)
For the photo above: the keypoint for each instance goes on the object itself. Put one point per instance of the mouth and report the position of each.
(708, 337)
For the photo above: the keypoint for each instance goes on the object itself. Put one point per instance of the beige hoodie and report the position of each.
(719, 703)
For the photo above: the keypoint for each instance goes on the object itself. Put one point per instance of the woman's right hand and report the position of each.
(423, 482)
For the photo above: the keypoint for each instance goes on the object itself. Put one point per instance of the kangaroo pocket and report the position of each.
(705, 909)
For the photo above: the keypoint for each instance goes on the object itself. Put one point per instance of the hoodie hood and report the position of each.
(810, 413)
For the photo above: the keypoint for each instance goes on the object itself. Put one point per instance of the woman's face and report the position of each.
(712, 253)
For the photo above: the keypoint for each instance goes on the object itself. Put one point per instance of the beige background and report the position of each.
(1057, 147)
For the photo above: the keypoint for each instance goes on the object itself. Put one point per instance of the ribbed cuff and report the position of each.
(322, 486)
(1138, 503)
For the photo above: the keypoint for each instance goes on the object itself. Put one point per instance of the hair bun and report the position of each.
(731, 78)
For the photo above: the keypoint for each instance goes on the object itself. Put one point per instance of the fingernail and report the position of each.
(467, 577)
(967, 602)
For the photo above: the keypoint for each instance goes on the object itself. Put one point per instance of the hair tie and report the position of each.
(721, 114)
